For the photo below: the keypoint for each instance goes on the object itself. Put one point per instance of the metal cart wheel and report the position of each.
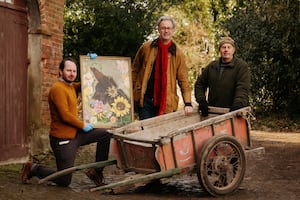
(222, 165)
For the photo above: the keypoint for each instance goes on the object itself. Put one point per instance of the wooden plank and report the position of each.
(144, 178)
(210, 120)
(217, 110)
(160, 129)
(76, 168)
(173, 124)
(256, 153)
(168, 122)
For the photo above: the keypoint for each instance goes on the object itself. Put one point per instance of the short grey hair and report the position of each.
(163, 18)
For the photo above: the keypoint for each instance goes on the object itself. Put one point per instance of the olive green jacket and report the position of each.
(177, 72)
(229, 89)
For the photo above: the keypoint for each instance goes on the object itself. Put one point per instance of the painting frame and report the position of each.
(106, 88)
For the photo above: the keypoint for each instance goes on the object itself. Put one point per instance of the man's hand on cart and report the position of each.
(203, 107)
(188, 110)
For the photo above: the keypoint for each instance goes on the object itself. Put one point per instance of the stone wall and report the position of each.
(45, 48)
(51, 48)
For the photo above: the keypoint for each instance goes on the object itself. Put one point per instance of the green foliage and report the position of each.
(276, 122)
(193, 34)
(266, 34)
(267, 37)
(108, 27)
(119, 27)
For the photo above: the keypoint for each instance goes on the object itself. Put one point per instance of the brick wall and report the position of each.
(51, 49)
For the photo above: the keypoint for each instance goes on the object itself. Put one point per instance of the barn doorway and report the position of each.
(14, 145)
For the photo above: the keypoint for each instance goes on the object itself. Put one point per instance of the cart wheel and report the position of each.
(222, 165)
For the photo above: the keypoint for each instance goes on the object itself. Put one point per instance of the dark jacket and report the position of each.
(229, 88)
(177, 73)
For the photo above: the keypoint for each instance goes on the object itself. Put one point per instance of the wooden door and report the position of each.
(13, 82)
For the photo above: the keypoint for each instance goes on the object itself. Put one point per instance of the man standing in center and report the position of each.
(157, 67)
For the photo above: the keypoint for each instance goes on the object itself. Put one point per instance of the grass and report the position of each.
(276, 123)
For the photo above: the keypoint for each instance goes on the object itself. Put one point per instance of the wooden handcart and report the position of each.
(173, 144)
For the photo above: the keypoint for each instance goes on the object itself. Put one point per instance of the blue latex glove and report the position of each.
(88, 128)
(92, 55)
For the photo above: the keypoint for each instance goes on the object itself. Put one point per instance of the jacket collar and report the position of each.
(172, 48)
(230, 64)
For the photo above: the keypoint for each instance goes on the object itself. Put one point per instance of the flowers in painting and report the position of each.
(113, 119)
(93, 120)
(88, 78)
(98, 106)
(122, 66)
(112, 91)
(120, 106)
(105, 92)
(89, 90)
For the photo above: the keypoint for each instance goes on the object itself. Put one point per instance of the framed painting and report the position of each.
(106, 91)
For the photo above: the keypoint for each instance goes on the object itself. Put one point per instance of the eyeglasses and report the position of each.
(166, 28)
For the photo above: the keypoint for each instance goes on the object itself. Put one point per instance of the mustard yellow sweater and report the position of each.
(63, 108)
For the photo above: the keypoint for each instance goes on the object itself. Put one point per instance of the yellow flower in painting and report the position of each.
(120, 106)
(100, 116)
(112, 91)
(88, 78)
(88, 91)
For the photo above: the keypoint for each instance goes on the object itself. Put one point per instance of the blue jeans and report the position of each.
(65, 153)
(148, 110)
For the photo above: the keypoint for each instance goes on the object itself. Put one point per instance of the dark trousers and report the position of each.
(65, 153)
(148, 110)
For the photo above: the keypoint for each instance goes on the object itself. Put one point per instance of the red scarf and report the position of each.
(160, 77)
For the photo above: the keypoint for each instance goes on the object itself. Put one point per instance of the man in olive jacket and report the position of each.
(226, 79)
(157, 67)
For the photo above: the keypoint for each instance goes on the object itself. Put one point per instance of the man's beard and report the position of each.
(67, 81)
